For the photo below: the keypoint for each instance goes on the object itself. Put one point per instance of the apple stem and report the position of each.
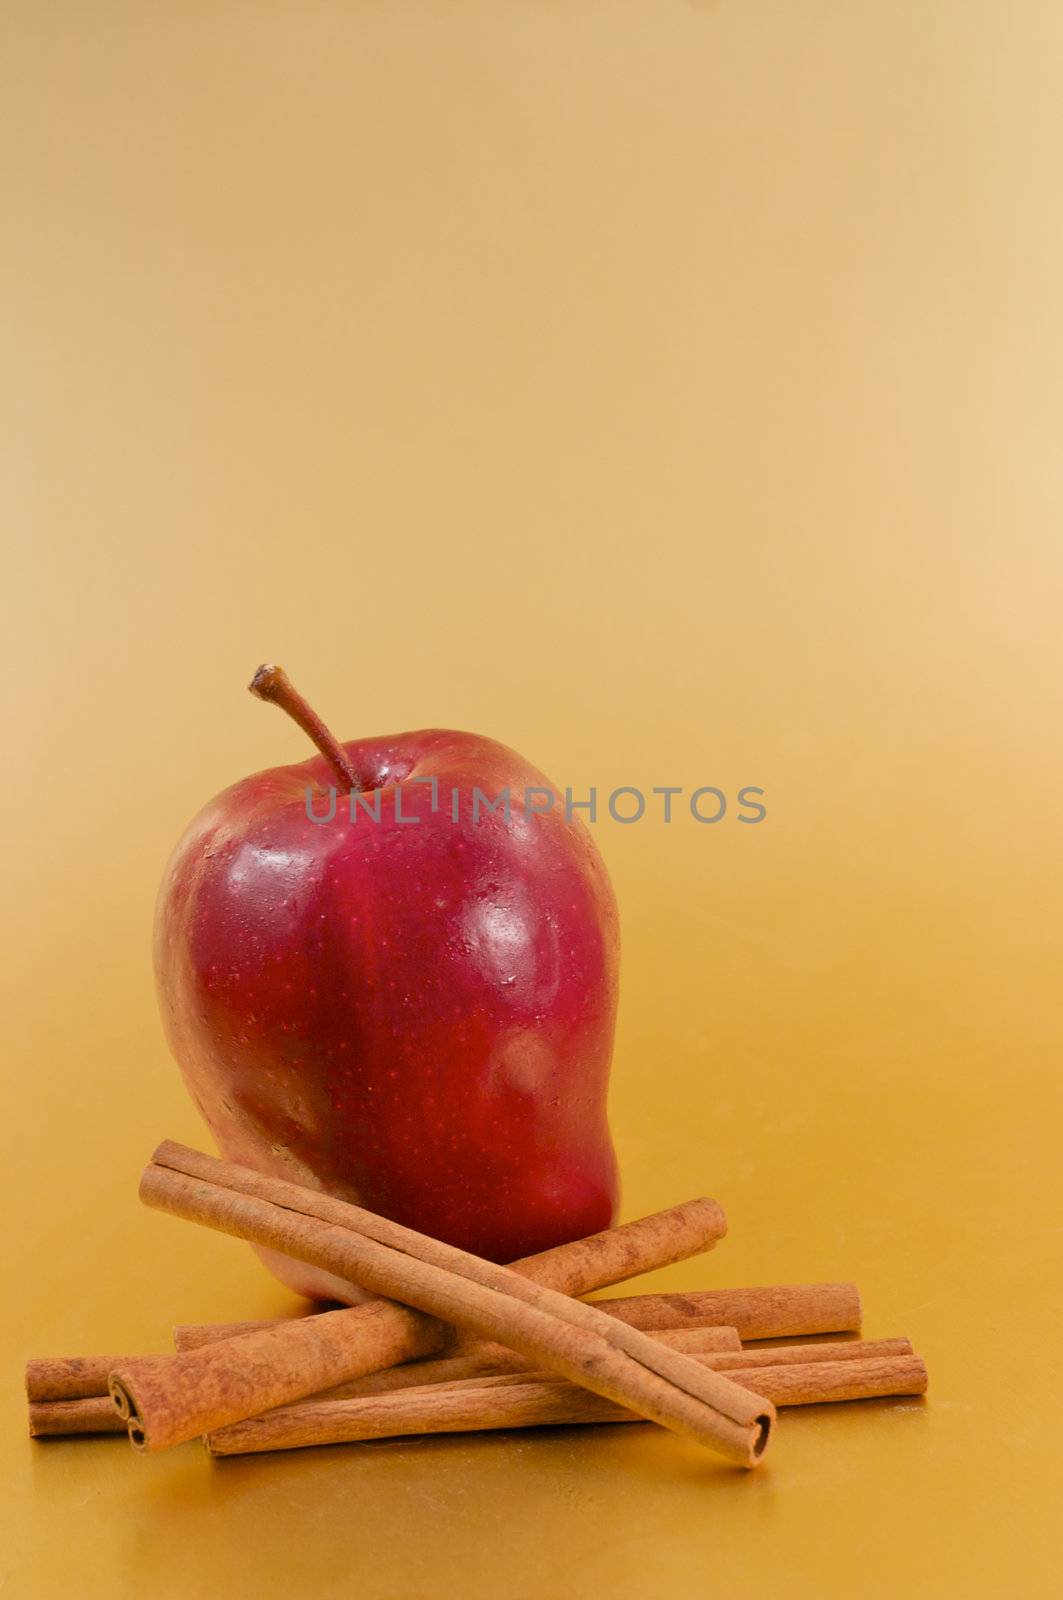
(273, 684)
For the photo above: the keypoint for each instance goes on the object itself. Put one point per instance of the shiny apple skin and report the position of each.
(415, 1016)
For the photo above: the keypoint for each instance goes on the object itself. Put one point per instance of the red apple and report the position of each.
(414, 1013)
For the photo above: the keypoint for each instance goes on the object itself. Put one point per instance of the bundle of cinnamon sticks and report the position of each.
(446, 1342)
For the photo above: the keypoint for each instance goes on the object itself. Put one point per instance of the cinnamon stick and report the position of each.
(86, 1414)
(489, 1404)
(776, 1311)
(746, 1360)
(193, 1335)
(485, 1359)
(68, 1377)
(585, 1265)
(570, 1338)
(52, 1379)
(807, 1354)
(95, 1412)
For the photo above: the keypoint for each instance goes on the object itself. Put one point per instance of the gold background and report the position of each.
(672, 392)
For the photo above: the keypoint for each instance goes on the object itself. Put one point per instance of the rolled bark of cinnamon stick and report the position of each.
(746, 1360)
(570, 1338)
(799, 1355)
(69, 1377)
(96, 1413)
(194, 1335)
(53, 1419)
(775, 1311)
(585, 1265)
(58, 1379)
(482, 1358)
(485, 1404)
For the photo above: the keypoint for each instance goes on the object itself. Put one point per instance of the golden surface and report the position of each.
(673, 392)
